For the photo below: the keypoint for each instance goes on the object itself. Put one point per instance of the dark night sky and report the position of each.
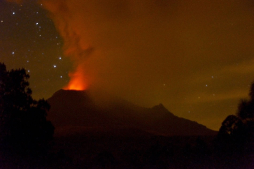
(194, 57)
(28, 39)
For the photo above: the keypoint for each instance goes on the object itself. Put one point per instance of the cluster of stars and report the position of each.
(33, 43)
(38, 31)
(207, 86)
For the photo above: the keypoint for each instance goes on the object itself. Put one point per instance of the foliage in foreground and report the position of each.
(23, 124)
(236, 135)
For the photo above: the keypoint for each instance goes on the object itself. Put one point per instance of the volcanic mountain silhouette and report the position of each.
(80, 111)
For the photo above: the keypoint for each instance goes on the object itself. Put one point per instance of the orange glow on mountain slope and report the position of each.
(77, 81)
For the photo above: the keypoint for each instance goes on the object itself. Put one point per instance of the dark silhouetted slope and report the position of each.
(79, 111)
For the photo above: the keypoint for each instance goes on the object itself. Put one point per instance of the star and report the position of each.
(29, 38)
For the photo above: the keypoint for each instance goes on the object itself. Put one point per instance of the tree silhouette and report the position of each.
(237, 131)
(23, 123)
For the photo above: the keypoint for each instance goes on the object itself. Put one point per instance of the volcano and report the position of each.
(81, 111)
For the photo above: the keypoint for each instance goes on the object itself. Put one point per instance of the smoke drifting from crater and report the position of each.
(151, 51)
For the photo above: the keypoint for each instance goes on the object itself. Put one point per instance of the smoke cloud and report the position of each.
(151, 51)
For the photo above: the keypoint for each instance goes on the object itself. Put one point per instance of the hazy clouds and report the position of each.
(196, 57)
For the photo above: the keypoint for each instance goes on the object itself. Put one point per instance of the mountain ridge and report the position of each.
(70, 108)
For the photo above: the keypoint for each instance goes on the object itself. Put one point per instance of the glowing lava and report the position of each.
(77, 81)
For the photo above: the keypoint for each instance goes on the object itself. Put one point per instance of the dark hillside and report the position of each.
(79, 111)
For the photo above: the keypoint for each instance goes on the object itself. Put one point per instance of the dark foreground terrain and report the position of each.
(137, 150)
(118, 134)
